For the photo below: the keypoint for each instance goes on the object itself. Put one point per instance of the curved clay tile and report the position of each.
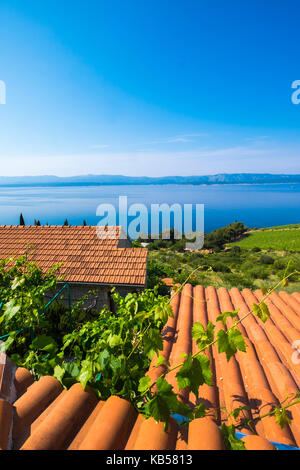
(80, 436)
(296, 295)
(266, 353)
(233, 386)
(208, 395)
(23, 379)
(280, 320)
(63, 421)
(169, 335)
(279, 377)
(274, 327)
(151, 435)
(264, 402)
(285, 309)
(204, 434)
(29, 406)
(257, 443)
(291, 301)
(212, 312)
(6, 416)
(112, 426)
(18, 443)
(182, 438)
(133, 435)
(183, 344)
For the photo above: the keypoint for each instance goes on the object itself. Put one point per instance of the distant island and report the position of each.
(222, 178)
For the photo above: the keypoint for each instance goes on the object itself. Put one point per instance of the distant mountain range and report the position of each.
(223, 178)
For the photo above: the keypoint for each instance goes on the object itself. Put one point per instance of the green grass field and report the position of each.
(278, 227)
(280, 240)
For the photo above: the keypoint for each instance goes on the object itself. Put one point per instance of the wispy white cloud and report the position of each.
(98, 147)
(232, 152)
(151, 162)
(257, 139)
(181, 138)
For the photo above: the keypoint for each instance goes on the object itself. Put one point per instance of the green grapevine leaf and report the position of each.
(164, 402)
(17, 282)
(203, 336)
(265, 314)
(264, 290)
(163, 387)
(86, 373)
(10, 310)
(114, 340)
(44, 343)
(144, 384)
(223, 317)
(205, 369)
(282, 417)
(72, 369)
(236, 339)
(10, 340)
(261, 310)
(158, 408)
(200, 411)
(193, 373)
(236, 412)
(197, 330)
(103, 359)
(152, 342)
(59, 372)
(230, 439)
(230, 342)
(160, 360)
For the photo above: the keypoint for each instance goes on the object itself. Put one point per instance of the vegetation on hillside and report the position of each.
(251, 262)
(233, 268)
(276, 227)
(215, 240)
(279, 240)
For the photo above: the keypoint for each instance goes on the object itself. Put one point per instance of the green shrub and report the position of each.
(220, 267)
(266, 259)
(237, 280)
(258, 272)
(279, 264)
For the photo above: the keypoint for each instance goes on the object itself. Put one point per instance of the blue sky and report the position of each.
(160, 87)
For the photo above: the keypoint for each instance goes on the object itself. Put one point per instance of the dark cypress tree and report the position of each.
(66, 222)
(22, 221)
(38, 223)
(84, 223)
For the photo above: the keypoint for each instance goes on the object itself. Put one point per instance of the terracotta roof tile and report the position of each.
(80, 250)
(46, 417)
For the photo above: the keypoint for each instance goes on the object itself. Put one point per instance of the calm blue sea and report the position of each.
(254, 205)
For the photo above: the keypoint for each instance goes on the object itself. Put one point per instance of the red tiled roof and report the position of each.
(89, 254)
(48, 417)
